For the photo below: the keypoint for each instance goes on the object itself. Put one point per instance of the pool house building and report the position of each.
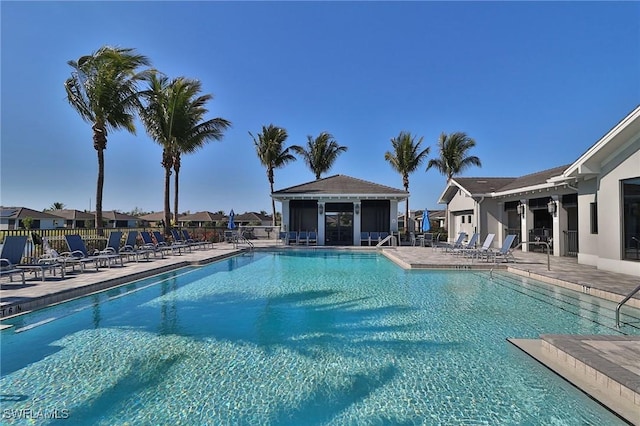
(589, 209)
(340, 208)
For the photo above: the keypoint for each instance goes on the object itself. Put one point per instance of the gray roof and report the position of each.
(73, 214)
(483, 185)
(537, 178)
(340, 184)
(486, 185)
(24, 212)
(204, 216)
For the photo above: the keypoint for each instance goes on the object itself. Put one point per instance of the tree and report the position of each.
(453, 157)
(272, 154)
(453, 154)
(320, 153)
(55, 206)
(190, 132)
(103, 90)
(405, 159)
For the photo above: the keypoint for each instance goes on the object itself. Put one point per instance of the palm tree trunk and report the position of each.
(273, 202)
(167, 208)
(175, 199)
(99, 186)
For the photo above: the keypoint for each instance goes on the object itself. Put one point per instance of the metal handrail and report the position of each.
(625, 300)
(394, 241)
(538, 242)
(239, 237)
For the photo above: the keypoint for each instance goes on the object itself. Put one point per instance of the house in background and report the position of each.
(339, 208)
(589, 209)
(201, 219)
(75, 218)
(13, 218)
(114, 219)
(252, 219)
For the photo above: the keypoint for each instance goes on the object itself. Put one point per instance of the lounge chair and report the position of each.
(481, 251)
(15, 246)
(174, 246)
(456, 244)
(179, 239)
(130, 248)
(203, 242)
(152, 246)
(11, 255)
(78, 253)
(471, 245)
(505, 252)
(312, 238)
(112, 250)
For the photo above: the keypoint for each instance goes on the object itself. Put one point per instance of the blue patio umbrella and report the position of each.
(426, 225)
(231, 225)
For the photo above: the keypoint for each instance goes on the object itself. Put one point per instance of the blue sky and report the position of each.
(534, 83)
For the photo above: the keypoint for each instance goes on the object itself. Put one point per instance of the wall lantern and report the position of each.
(320, 209)
(520, 209)
(357, 208)
(552, 207)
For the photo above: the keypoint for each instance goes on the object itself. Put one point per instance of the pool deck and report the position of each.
(607, 368)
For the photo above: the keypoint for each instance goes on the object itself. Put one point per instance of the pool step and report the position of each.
(607, 368)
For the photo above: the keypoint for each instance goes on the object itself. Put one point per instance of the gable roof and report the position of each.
(203, 216)
(622, 135)
(24, 212)
(534, 179)
(251, 217)
(340, 185)
(73, 214)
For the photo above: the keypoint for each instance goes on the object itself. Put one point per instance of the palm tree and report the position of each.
(272, 154)
(103, 89)
(190, 132)
(453, 157)
(173, 117)
(453, 154)
(405, 159)
(321, 153)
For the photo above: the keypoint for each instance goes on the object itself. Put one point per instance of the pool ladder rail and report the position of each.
(239, 238)
(625, 300)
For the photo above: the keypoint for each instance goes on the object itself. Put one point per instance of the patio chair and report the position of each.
(292, 237)
(11, 255)
(15, 250)
(302, 238)
(481, 251)
(312, 238)
(364, 238)
(78, 253)
(374, 238)
(427, 240)
(152, 246)
(282, 237)
(505, 252)
(173, 246)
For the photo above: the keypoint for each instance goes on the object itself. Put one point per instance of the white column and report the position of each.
(526, 221)
(393, 216)
(284, 225)
(502, 217)
(560, 224)
(321, 208)
(357, 209)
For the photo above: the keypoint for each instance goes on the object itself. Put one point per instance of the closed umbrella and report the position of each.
(231, 225)
(426, 225)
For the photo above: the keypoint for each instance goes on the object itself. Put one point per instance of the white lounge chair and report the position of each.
(505, 252)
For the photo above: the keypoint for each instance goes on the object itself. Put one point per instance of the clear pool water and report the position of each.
(299, 338)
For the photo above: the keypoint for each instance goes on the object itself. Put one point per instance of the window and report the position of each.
(462, 219)
(631, 219)
(469, 219)
(594, 218)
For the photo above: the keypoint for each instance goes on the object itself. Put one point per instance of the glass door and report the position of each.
(338, 224)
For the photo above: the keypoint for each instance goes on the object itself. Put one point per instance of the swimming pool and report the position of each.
(292, 338)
